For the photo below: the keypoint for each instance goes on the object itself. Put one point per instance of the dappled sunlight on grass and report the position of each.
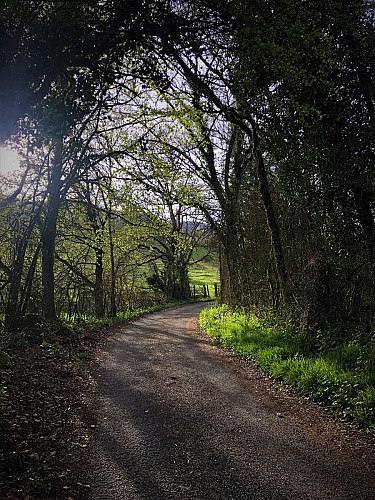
(342, 376)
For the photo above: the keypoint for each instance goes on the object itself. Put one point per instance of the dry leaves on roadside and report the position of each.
(43, 421)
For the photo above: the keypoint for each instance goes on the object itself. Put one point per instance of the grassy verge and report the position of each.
(44, 334)
(332, 369)
(124, 317)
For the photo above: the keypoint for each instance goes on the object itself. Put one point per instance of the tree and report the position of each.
(20, 225)
(175, 229)
(42, 41)
(306, 71)
(201, 99)
(266, 108)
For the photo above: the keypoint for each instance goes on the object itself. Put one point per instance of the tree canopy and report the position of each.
(253, 119)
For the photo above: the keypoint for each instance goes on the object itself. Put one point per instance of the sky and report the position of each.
(9, 161)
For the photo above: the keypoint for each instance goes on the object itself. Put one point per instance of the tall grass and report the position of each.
(332, 369)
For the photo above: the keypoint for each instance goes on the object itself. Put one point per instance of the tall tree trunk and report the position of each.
(273, 225)
(98, 289)
(13, 308)
(363, 198)
(184, 291)
(229, 258)
(97, 227)
(113, 310)
(26, 293)
(49, 235)
(233, 289)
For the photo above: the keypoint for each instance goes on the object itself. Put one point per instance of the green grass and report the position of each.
(123, 317)
(205, 272)
(41, 334)
(332, 369)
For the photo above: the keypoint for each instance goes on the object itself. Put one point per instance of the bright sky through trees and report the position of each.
(9, 161)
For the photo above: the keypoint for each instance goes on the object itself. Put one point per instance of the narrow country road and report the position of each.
(175, 422)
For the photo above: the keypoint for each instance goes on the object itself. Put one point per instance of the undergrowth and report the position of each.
(331, 367)
(47, 334)
(125, 316)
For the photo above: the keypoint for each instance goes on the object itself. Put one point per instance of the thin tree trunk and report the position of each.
(98, 289)
(26, 294)
(113, 310)
(49, 236)
(362, 197)
(13, 309)
(273, 225)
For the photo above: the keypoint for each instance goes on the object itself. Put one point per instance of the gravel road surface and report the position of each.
(177, 421)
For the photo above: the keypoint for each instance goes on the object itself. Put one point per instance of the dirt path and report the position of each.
(181, 419)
